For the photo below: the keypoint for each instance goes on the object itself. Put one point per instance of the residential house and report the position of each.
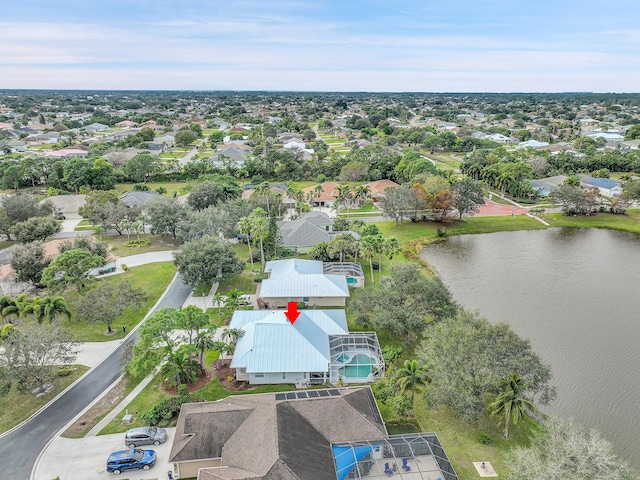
(531, 144)
(606, 186)
(328, 434)
(296, 280)
(137, 199)
(306, 232)
(95, 127)
(316, 348)
(233, 155)
(378, 187)
(67, 152)
(327, 196)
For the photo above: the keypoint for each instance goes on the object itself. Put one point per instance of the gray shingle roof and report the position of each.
(280, 439)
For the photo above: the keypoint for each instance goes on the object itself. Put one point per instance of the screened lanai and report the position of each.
(412, 456)
(355, 358)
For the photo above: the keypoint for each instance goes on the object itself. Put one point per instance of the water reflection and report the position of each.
(573, 293)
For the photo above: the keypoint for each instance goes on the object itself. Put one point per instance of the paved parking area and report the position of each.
(86, 458)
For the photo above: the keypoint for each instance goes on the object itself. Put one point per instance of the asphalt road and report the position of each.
(20, 448)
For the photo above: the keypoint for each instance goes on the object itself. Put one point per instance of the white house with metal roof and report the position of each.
(316, 349)
(296, 280)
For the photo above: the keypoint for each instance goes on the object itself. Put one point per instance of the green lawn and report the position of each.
(152, 278)
(628, 223)
(158, 243)
(461, 440)
(16, 407)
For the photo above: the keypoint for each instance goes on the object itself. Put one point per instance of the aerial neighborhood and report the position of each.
(231, 286)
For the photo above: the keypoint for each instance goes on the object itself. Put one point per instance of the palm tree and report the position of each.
(511, 404)
(411, 376)
(368, 248)
(379, 246)
(222, 347)
(245, 227)
(317, 192)
(203, 342)
(181, 367)
(50, 308)
(19, 307)
(233, 300)
(361, 193)
(7, 306)
(218, 300)
(233, 334)
(261, 228)
(291, 193)
(391, 249)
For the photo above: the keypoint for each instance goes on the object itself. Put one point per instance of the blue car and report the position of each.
(130, 460)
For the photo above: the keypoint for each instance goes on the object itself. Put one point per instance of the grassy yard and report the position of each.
(462, 443)
(152, 278)
(16, 407)
(158, 243)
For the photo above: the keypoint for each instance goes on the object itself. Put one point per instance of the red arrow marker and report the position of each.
(292, 312)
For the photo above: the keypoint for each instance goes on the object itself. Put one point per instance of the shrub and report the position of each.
(5, 387)
(140, 187)
(375, 265)
(484, 438)
(442, 232)
(164, 411)
(302, 305)
(64, 371)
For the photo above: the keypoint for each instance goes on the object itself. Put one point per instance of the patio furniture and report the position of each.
(387, 470)
(405, 465)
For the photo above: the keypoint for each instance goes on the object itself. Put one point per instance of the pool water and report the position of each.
(359, 367)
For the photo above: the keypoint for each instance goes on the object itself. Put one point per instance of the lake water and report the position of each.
(575, 294)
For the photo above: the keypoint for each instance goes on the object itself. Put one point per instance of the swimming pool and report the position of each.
(359, 367)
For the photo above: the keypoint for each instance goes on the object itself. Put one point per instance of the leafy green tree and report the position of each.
(34, 353)
(205, 195)
(397, 202)
(404, 303)
(107, 302)
(29, 261)
(186, 137)
(20, 208)
(84, 243)
(234, 300)
(72, 267)
(165, 215)
(562, 449)
(191, 320)
(35, 228)
(467, 196)
(511, 404)
(206, 261)
(142, 166)
(459, 344)
(410, 377)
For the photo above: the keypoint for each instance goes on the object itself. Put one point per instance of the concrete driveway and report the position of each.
(84, 458)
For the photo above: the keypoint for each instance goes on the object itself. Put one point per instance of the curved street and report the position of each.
(19, 448)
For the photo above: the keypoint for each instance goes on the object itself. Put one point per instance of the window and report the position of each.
(305, 299)
(259, 375)
(284, 376)
(304, 375)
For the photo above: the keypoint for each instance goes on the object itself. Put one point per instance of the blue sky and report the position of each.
(322, 45)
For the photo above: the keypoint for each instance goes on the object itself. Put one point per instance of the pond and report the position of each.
(574, 294)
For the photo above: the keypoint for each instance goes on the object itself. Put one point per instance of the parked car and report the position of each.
(133, 459)
(145, 436)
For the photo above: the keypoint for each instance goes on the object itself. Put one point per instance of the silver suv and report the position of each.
(145, 436)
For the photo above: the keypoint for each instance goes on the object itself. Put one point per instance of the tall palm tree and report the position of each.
(317, 192)
(410, 377)
(391, 249)
(180, 368)
(203, 342)
(50, 308)
(361, 193)
(291, 193)
(245, 227)
(368, 249)
(218, 300)
(224, 349)
(379, 246)
(233, 300)
(511, 403)
(260, 224)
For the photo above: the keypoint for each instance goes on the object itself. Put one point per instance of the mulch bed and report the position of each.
(202, 381)
(222, 370)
